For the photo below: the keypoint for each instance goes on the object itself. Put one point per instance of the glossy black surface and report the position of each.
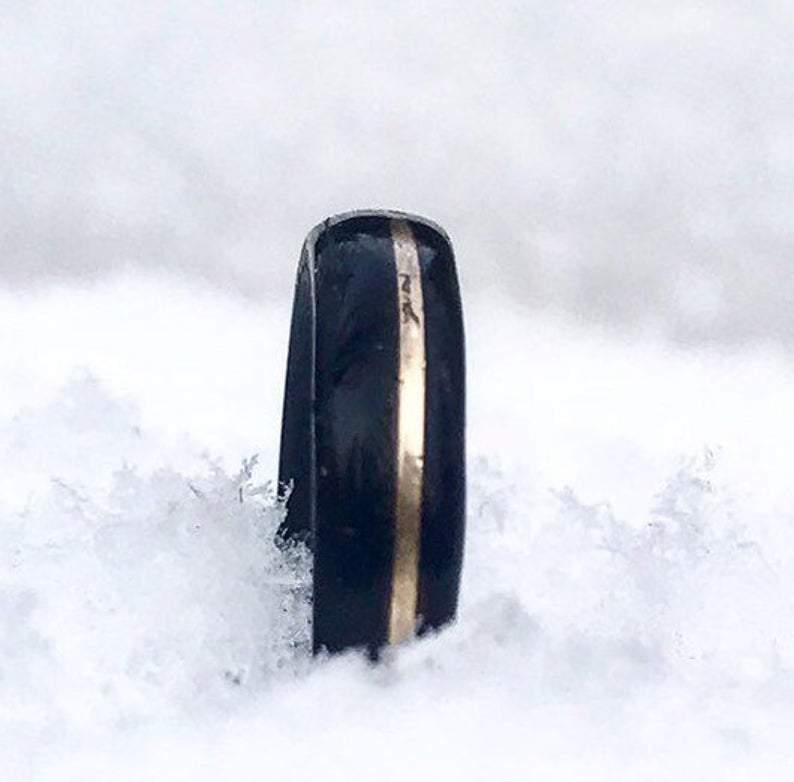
(357, 355)
(444, 488)
(297, 457)
(339, 428)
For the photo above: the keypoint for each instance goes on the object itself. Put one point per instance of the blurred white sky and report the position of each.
(629, 163)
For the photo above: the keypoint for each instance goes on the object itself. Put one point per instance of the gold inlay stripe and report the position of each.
(410, 434)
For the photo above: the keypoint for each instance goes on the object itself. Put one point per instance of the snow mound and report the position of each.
(128, 593)
(151, 627)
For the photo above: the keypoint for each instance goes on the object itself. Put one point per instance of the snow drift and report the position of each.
(151, 628)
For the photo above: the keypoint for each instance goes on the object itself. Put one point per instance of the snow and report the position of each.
(151, 628)
(617, 178)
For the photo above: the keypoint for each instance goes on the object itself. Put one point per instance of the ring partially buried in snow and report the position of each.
(372, 436)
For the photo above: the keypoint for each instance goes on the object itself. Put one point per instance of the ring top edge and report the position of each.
(390, 214)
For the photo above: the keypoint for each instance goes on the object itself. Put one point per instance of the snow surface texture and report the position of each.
(617, 177)
(152, 630)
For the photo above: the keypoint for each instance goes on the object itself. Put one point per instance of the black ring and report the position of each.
(343, 440)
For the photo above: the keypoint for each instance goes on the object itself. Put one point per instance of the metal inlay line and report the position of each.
(410, 434)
